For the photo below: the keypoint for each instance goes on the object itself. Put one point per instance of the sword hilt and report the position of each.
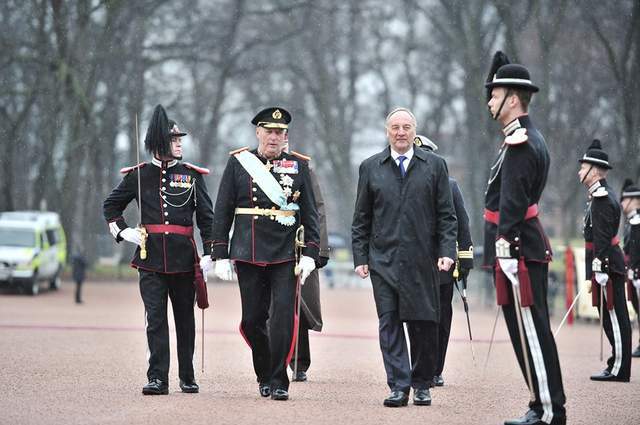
(143, 242)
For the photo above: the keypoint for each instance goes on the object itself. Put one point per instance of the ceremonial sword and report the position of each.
(515, 284)
(298, 251)
(143, 231)
(463, 296)
(555, 334)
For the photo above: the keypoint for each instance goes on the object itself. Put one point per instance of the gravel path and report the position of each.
(66, 364)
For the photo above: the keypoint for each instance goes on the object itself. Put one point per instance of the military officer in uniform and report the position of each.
(171, 192)
(604, 261)
(515, 244)
(311, 312)
(267, 195)
(464, 264)
(403, 231)
(630, 200)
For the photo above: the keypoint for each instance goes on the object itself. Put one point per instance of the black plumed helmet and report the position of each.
(158, 138)
(629, 190)
(499, 59)
(596, 156)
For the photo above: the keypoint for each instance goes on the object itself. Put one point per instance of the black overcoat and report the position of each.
(401, 226)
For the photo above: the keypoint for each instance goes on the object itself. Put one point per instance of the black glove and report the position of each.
(322, 261)
(463, 273)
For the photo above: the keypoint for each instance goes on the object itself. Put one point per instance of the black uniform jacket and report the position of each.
(171, 192)
(632, 243)
(260, 239)
(402, 226)
(465, 245)
(600, 228)
(516, 182)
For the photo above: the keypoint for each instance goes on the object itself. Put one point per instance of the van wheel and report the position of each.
(32, 287)
(54, 284)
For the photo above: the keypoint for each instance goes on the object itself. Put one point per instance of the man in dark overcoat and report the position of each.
(404, 226)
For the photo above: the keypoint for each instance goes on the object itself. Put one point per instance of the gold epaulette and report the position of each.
(301, 156)
(238, 150)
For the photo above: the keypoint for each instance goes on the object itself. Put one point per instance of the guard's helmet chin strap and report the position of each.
(504, 99)
(586, 174)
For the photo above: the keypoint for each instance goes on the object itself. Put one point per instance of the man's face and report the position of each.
(497, 95)
(626, 205)
(401, 130)
(586, 174)
(270, 141)
(176, 147)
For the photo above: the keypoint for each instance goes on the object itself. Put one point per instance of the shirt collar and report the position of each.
(167, 164)
(408, 154)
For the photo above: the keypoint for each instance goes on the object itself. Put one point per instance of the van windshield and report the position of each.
(17, 237)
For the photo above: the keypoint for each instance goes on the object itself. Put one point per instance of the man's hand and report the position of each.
(206, 264)
(601, 278)
(223, 269)
(636, 284)
(363, 271)
(132, 235)
(444, 264)
(306, 265)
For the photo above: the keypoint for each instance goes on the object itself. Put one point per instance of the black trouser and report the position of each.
(270, 348)
(541, 346)
(617, 327)
(304, 352)
(155, 288)
(634, 302)
(78, 291)
(403, 374)
(444, 328)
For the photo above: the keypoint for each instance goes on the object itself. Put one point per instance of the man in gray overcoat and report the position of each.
(404, 226)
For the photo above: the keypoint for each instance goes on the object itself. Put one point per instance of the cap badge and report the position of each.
(276, 114)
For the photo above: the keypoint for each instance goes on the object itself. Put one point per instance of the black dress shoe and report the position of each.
(280, 394)
(155, 387)
(300, 376)
(605, 375)
(422, 397)
(636, 352)
(189, 387)
(438, 381)
(396, 399)
(532, 418)
(265, 390)
(529, 418)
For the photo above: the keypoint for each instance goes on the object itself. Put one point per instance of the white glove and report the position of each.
(223, 269)
(509, 265)
(630, 274)
(602, 278)
(636, 283)
(306, 265)
(206, 264)
(132, 235)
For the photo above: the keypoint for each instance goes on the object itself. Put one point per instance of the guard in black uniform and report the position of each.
(266, 194)
(515, 244)
(464, 264)
(630, 201)
(604, 261)
(171, 192)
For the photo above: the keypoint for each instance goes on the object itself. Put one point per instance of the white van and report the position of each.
(32, 249)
